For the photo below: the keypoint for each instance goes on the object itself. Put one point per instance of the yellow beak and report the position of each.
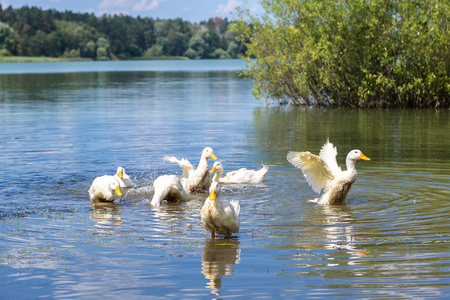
(213, 156)
(120, 174)
(213, 195)
(364, 157)
(213, 170)
(118, 191)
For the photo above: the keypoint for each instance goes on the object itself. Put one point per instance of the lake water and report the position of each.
(63, 124)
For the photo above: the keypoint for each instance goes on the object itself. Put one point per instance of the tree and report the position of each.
(196, 47)
(154, 51)
(377, 53)
(6, 36)
(212, 42)
(133, 50)
(191, 53)
(117, 47)
(102, 49)
(90, 49)
(176, 44)
(232, 49)
(102, 54)
(221, 54)
(38, 32)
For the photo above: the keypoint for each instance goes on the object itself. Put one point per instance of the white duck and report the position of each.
(194, 180)
(323, 173)
(104, 188)
(168, 187)
(220, 216)
(123, 178)
(240, 176)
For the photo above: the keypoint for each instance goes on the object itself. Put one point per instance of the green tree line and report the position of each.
(31, 31)
(361, 53)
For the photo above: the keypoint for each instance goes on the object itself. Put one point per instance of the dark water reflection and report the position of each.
(61, 130)
(218, 260)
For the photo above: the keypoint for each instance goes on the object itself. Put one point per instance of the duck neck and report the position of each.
(351, 166)
(203, 163)
(198, 175)
(218, 175)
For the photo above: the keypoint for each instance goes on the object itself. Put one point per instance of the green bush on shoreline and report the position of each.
(377, 53)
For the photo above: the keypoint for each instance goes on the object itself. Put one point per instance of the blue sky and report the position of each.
(189, 10)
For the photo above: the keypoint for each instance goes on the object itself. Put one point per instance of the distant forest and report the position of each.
(31, 31)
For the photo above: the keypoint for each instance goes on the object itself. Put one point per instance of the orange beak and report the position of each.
(213, 195)
(118, 191)
(120, 174)
(213, 169)
(213, 156)
(364, 157)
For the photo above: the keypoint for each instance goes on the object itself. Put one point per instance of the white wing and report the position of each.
(236, 206)
(328, 153)
(183, 163)
(316, 171)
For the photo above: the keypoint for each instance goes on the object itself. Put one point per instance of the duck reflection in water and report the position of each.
(337, 230)
(108, 216)
(218, 259)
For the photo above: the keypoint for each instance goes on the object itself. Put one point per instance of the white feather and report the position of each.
(195, 179)
(323, 173)
(168, 187)
(328, 153)
(220, 216)
(104, 188)
(240, 176)
(316, 171)
(123, 178)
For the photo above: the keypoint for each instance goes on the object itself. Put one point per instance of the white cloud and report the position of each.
(143, 5)
(186, 9)
(115, 4)
(122, 5)
(229, 7)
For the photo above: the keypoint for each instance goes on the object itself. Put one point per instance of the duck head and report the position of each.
(114, 186)
(208, 152)
(214, 190)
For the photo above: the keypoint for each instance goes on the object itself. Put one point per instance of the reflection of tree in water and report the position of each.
(107, 215)
(218, 259)
(277, 129)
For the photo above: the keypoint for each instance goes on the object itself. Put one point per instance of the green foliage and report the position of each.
(376, 53)
(176, 43)
(191, 53)
(31, 31)
(221, 54)
(232, 49)
(72, 53)
(4, 52)
(6, 36)
(197, 46)
(102, 54)
(155, 51)
(133, 50)
(102, 49)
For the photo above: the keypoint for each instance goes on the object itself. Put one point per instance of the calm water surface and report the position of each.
(63, 124)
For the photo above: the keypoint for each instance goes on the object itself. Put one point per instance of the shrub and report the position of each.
(375, 53)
